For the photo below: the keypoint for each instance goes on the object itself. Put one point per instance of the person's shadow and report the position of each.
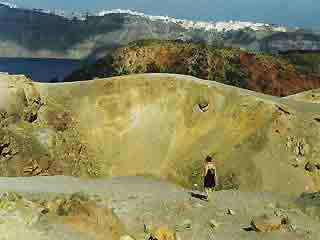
(199, 195)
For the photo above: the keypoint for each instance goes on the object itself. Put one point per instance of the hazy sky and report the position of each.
(288, 12)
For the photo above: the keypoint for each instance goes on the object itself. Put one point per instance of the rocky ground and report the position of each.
(155, 128)
(160, 125)
(137, 208)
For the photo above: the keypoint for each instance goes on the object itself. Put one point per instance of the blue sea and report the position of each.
(39, 69)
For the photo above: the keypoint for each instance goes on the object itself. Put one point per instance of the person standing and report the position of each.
(210, 176)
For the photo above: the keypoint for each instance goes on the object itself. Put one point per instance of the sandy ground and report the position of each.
(146, 203)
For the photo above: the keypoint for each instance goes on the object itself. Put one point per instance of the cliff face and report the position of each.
(257, 72)
(158, 125)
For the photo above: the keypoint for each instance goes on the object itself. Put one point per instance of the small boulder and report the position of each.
(185, 225)
(278, 212)
(293, 227)
(164, 233)
(310, 167)
(266, 223)
(213, 224)
(285, 220)
(230, 212)
(298, 161)
(79, 196)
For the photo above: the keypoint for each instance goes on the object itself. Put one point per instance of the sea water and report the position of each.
(40, 69)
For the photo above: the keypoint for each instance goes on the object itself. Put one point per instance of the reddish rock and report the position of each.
(258, 72)
(275, 77)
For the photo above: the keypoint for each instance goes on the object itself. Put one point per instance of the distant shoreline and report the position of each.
(40, 69)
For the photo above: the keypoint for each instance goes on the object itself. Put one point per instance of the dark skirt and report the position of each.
(209, 180)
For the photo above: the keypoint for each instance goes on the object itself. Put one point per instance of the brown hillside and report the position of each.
(262, 73)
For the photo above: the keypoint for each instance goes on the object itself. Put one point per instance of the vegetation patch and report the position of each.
(269, 74)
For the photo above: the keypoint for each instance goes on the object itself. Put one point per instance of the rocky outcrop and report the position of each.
(169, 123)
(8, 147)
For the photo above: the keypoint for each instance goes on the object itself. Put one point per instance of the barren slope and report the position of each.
(158, 125)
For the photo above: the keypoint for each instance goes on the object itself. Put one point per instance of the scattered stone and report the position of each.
(5, 151)
(278, 213)
(80, 196)
(164, 233)
(204, 107)
(45, 211)
(294, 164)
(84, 215)
(285, 220)
(185, 225)
(213, 224)
(8, 147)
(293, 227)
(298, 146)
(37, 171)
(10, 196)
(310, 167)
(298, 161)
(133, 196)
(266, 223)
(230, 212)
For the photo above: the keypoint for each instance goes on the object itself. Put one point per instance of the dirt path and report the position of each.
(145, 203)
